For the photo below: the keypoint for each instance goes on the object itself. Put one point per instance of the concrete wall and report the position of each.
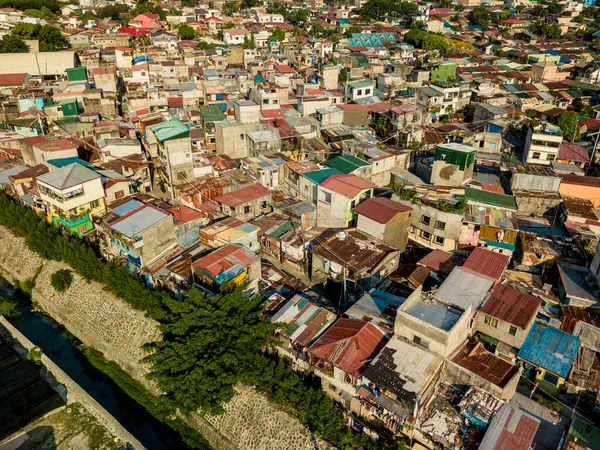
(441, 343)
(443, 174)
(501, 332)
(537, 205)
(68, 389)
(531, 182)
(455, 374)
(394, 233)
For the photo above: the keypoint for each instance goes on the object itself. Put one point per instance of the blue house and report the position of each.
(551, 352)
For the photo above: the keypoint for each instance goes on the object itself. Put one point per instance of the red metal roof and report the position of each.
(183, 214)
(381, 210)
(440, 261)
(12, 79)
(175, 102)
(487, 263)
(244, 195)
(573, 152)
(226, 257)
(349, 344)
(348, 185)
(284, 68)
(519, 437)
(512, 306)
(476, 359)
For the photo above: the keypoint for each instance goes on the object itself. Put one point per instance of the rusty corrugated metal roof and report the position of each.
(487, 263)
(512, 306)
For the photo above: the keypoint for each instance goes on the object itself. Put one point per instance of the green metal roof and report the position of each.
(318, 176)
(63, 162)
(170, 130)
(347, 163)
(491, 198)
(212, 113)
(360, 83)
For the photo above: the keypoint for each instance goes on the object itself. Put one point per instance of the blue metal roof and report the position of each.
(123, 209)
(550, 348)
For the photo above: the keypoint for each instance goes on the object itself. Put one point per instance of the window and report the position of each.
(367, 91)
(550, 157)
(550, 378)
(438, 240)
(425, 235)
(119, 194)
(425, 220)
(440, 225)
(246, 209)
(420, 342)
(359, 92)
(536, 155)
(263, 205)
(242, 136)
(326, 197)
(512, 331)
(491, 321)
(94, 204)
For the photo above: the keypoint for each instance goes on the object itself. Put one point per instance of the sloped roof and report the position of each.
(348, 345)
(68, 176)
(512, 306)
(304, 319)
(550, 348)
(476, 359)
(511, 428)
(440, 260)
(381, 210)
(573, 152)
(487, 263)
(243, 195)
(347, 163)
(348, 185)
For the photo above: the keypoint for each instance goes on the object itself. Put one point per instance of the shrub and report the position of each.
(8, 308)
(61, 280)
(35, 355)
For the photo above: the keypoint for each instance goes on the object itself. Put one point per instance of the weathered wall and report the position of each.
(107, 323)
(98, 318)
(68, 389)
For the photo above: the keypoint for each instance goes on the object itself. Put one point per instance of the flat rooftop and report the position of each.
(435, 313)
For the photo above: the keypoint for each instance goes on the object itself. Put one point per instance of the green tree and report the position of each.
(352, 30)
(519, 8)
(185, 32)
(568, 123)
(299, 16)
(375, 9)
(208, 343)
(553, 31)
(539, 11)
(230, 8)
(44, 13)
(596, 42)
(479, 16)
(278, 34)
(13, 44)
(445, 3)
(277, 8)
(112, 11)
(555, 8)
(8, 308)
(61, 280)
(380, 126)
(229, 26)
(51, 39)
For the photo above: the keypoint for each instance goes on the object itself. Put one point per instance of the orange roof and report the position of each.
(348, 185)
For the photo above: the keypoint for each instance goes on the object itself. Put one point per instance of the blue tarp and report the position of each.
(143, 58)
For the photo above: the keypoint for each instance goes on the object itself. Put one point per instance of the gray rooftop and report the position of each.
(464, 289)
(137, 221)
(435, 313)
(68, 176)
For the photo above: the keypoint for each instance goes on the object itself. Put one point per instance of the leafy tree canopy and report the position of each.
(375, 9)
(230, 8)
(479, 16)
(61, 280)
(426, 41)
(568, 123)
(208, 343)
(278, 35)
(299, 16)
(185, 32)
(112, 11)
(13, 44)
(50, 37)
(24, 5)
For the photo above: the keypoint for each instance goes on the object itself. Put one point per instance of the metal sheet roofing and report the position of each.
(440, 260)
(68, 176)
(487, 263)
(550, 348)
(434, 313)
(304, 320)
(349, 344)
(511, 428)
(491, 198)
(318, 176)
(403, 369)
(126, 207)
(170, 130)
(138, 220)
(347, 163)
(476, 359)
(381, 210)
(571, 277)
(464, 289)
(244, 195)
(512, 306)
(348, 185)
(379, 308)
